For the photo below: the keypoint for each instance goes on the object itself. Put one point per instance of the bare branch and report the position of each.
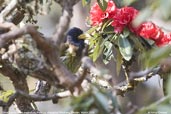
(36, 97)
(8, 9)
(64, 21)
(81, 77)
(88, 63)
(135, 78)
(143, 74)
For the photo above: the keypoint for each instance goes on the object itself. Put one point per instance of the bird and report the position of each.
(76, 45)
(72, 54)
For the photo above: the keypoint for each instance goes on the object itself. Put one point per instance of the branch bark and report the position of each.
(134, 79)
(64, 20)
(12, 5)
(19, 82)
(66, 78)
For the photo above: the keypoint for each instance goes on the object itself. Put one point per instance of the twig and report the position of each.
(36, 97)
(7, 10)
(81, 77)
(134, 79)
(146, 74)
(88, 63)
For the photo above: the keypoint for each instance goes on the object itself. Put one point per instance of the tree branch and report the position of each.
(134, 79)
(65, 77)
(11, 6)
(36, 97)
(19, 82)
(9, 103)
(64, 21)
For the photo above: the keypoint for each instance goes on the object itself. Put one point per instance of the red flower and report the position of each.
(150, 30)
(97, 15)
(166, 39)
(123, 17)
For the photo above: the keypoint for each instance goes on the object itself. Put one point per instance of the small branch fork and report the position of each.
(135, 78)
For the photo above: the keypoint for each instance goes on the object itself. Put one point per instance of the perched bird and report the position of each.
(72, 54)
(75, 44)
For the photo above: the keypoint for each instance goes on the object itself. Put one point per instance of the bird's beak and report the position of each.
(83, 36)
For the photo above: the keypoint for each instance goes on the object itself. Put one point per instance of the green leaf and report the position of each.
(137, 43)
(168, 88)
(92, 29)
(83, 102)
(85, 2)
(154, 56)
(118, 62)
(107, 52)
(126, 33)
(125, 48)
(101, 100)
(106, 26)
(4, 96)
(98, 49)
(114, 100)
(128, 2)
(102, 4)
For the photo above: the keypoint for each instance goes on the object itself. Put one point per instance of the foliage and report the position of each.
(5, 95)
(95, 99)
(126, 41)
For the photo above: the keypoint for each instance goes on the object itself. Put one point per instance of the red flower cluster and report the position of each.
(123, 17)
(166, 39)
(150, 31)
(97, 15)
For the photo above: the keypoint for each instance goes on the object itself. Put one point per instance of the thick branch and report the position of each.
(65, 77)
(19, 82)
(64, 21)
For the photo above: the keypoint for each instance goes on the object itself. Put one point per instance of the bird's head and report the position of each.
(75, 44)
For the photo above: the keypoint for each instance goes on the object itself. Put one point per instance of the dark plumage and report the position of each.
(71, 51)
(72, 39)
